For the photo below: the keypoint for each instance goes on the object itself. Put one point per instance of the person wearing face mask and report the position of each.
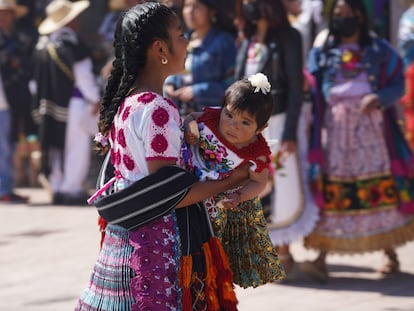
(361, 166)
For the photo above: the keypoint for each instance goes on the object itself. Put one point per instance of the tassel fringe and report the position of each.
(376, 242)
(225, 287)
(102, 225)
(211, 284)
(184, 277)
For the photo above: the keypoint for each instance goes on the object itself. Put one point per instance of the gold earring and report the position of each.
(164, 61)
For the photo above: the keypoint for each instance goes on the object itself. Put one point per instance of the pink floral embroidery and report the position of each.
(121, 138)
(122, 107)
(146, 97)
(117, 158)
(125, 114)
(160, 116)
(154, 261)
(159, 144)
(129, 163)
(112, 157)
(113, 136)
(170, 102)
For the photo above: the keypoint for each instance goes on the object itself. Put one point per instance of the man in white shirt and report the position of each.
(67, 102)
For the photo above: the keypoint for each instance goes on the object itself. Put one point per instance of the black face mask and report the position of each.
(251, 12)
(345, 26)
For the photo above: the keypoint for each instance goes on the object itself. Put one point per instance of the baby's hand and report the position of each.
(231, 200)
(191, 133)
(190, 138)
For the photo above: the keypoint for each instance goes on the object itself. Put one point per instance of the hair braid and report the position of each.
(135, 32)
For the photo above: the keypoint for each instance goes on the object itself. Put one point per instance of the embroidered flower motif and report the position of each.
(112, 157)
(121, 138)
(140, 238)
(375, 195)
(160, 117)
(103, 140)
(332, 194)
(125, 114)
(129, 163)
(113, 133)
(350, 62)
(122, 106)
(146, 97)
(159, 144)
(260, 82)
(117, 158)
(387, 188)
(170, 102)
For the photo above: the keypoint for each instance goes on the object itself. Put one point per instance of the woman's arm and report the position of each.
(255, 185)
(204, 189)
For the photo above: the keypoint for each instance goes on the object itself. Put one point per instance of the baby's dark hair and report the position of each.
(135, 31)
(241, 96)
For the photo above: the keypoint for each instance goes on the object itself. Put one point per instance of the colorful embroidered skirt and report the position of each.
(361, 199)
(245, 238)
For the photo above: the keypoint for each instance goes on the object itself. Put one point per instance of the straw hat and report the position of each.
(59, 13)
(19, 10)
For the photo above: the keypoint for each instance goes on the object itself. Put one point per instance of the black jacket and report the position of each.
(282, 64)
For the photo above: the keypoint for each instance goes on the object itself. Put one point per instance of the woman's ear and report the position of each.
(159, 48)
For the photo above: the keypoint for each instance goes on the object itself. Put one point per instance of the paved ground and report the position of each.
(47, 252)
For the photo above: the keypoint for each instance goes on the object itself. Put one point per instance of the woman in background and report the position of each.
(361, 166)
(211, 53)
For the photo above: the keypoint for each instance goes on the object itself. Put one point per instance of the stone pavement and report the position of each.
(47, 252)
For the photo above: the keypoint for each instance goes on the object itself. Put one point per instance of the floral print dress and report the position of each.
(242, 230)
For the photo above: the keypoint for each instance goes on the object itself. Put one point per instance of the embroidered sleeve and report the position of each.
(163, 139)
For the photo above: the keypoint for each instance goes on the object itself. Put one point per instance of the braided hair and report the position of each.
(135, 32)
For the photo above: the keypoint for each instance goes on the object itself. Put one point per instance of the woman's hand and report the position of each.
(369, 103)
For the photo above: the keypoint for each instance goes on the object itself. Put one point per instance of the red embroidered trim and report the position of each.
(162, 158)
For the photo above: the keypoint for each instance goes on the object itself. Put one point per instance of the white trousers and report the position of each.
(69, 176)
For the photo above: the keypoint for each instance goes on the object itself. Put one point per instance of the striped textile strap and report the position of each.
(146, 199)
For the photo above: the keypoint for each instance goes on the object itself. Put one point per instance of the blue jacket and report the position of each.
(382, 63)
(212, 68)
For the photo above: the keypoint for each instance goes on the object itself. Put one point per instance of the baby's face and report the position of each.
(238, 128)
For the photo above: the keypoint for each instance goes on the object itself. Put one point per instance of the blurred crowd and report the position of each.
(56, 57)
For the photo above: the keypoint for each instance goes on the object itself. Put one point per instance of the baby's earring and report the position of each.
(164, 61)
